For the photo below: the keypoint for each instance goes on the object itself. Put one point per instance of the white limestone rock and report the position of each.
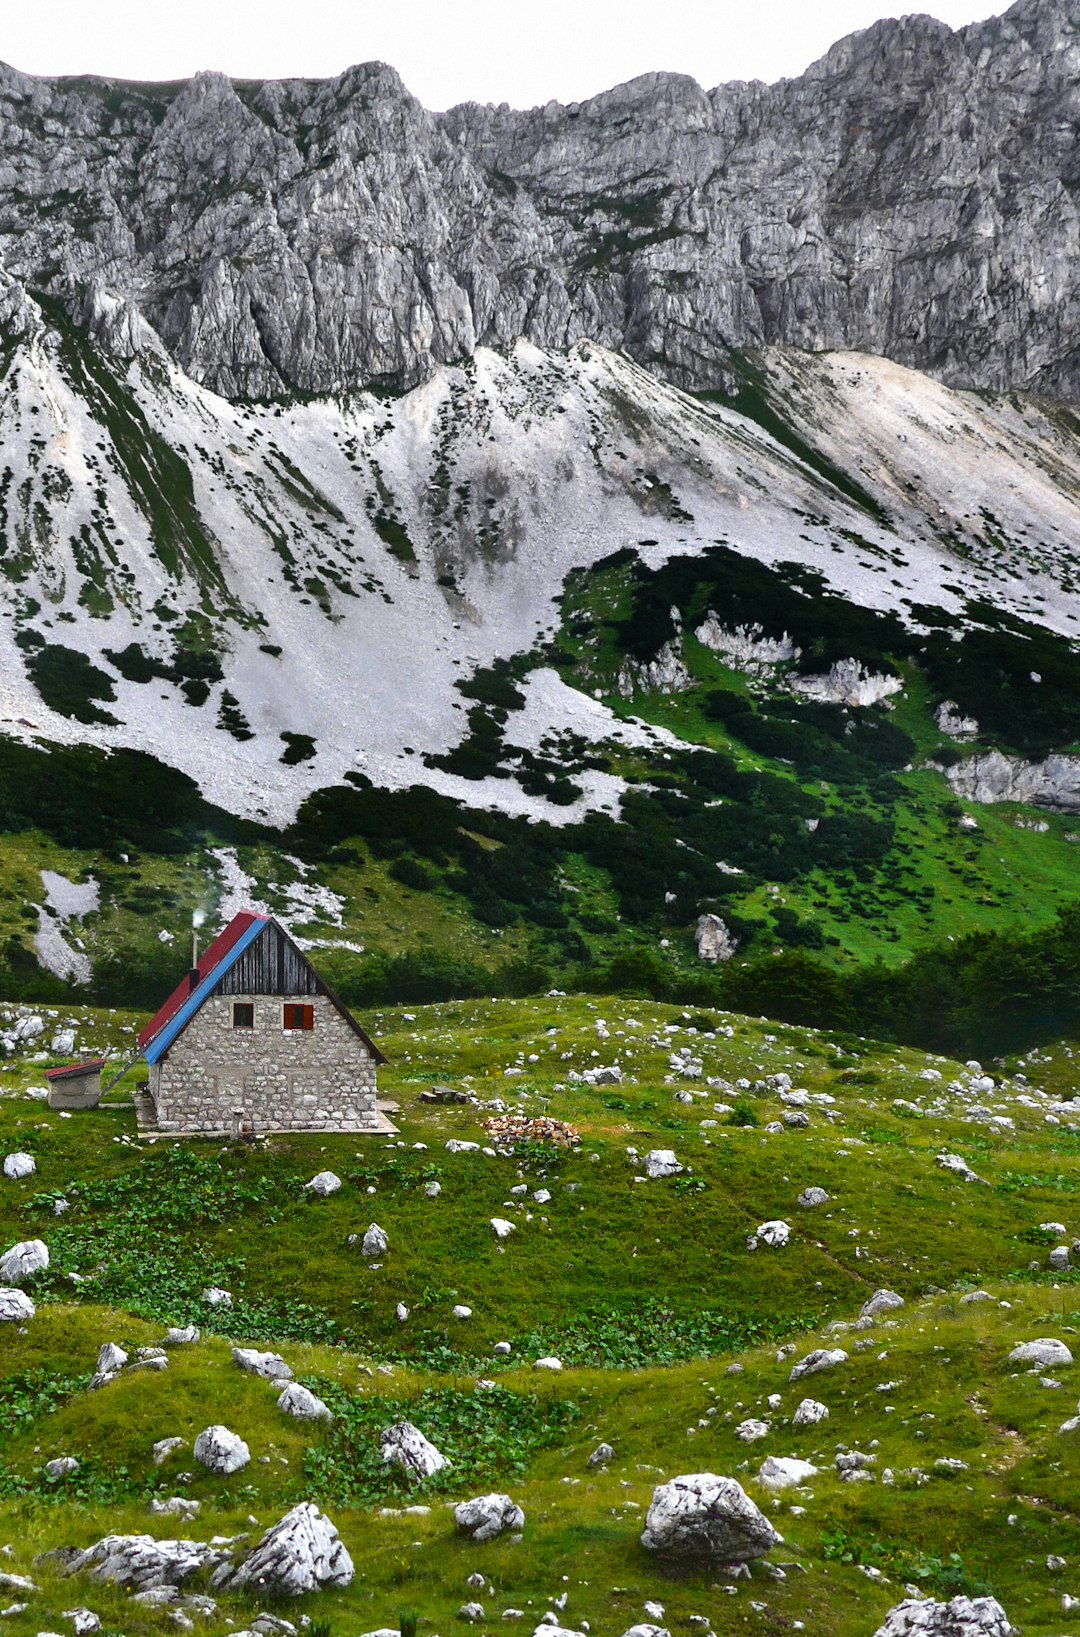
(221, 1451)
(485, 1517)
(165, 1447)
(270, 1366)
(301, 1553)
(960, 1617)
(702, 1515)
(23, 1260)
(62, 1467)
(17, 1166)
(140, 1563)
(302, 1403)
(503, 1229)
(661, 1162)
(549, 1363)
(751, 1430)
(821, 1358)
(181, 1336)
(785, 1472)
(809, 1412)
(1046, 1352)
(15, 1306)
(882, 1301)
(715, 943)
(376, 1241)
(405, 1446)
(215, 1296)
(324, 1184)
(813, 1196)
(774, 1234)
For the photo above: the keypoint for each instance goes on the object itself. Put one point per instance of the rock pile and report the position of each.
(508, 1130)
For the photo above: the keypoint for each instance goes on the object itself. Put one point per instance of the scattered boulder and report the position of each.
(405, 1446)
(773, 1234)
(661, 1162)
(882, 1301)
(270, 1366)
(960, 1617)
(822, 1358)
(214, 1296)
(15, 1306)
(705, 1515)
(23, 1260)
(750, 1431)
(183, 1336)
(376, 1241)
(85, 1621)
(503, 1229)
(18, 1166)
(813, 1196)
(141, 1563)
(809, 1413)
(221, 1451)
(957, 1165)
(301, 1553)
(62, 1467)
(785, 1472)
(472, 1612)
(550, 1363)
(460, 1311)
(324, 1184)
(1045, 1352)
(164, 1448)
(488, 1516)
(303, 1404)
(601, 1455)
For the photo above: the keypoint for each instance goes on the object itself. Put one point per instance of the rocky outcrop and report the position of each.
(848, 683)
(1053, 784)
(746, 647)
(911, 194)
(950, 720)
(405, 1446)
(714, 941)
(666, 673)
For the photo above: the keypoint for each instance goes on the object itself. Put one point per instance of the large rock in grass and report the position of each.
(18, 1166)
(302, 1403)
(221, 1451)
(405, 1446)
(822, 1358)
(23, 1260)
(661, 1162)
(1045, 1353)
(142, 1563)
(488, 1516)
(701, 1515)
(271, 1366)
(882, 1301)
(960, 1617)
(15, 1306)
(301, 1553)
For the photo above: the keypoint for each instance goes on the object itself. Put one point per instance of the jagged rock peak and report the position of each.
(912, 194)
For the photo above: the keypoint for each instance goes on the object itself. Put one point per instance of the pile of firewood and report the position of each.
(508, 1130)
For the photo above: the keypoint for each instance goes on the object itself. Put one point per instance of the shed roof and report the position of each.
(71, 1071)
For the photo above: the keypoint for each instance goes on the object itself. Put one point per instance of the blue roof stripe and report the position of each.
(161, 1043)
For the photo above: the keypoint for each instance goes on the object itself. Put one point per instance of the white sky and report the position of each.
(517, 51)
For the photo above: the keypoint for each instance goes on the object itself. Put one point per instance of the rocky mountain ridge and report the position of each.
(912, 194)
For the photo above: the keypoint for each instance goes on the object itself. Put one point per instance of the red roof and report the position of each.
(210, 958)
(89, 1065)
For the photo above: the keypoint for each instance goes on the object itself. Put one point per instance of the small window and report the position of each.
(299, 1017)
(243, 1015)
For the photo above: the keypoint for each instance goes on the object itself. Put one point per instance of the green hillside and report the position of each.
(646, 1290)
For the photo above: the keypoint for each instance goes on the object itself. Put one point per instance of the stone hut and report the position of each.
(254, 1040)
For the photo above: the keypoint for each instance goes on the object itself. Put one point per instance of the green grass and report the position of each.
(647, 1291)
